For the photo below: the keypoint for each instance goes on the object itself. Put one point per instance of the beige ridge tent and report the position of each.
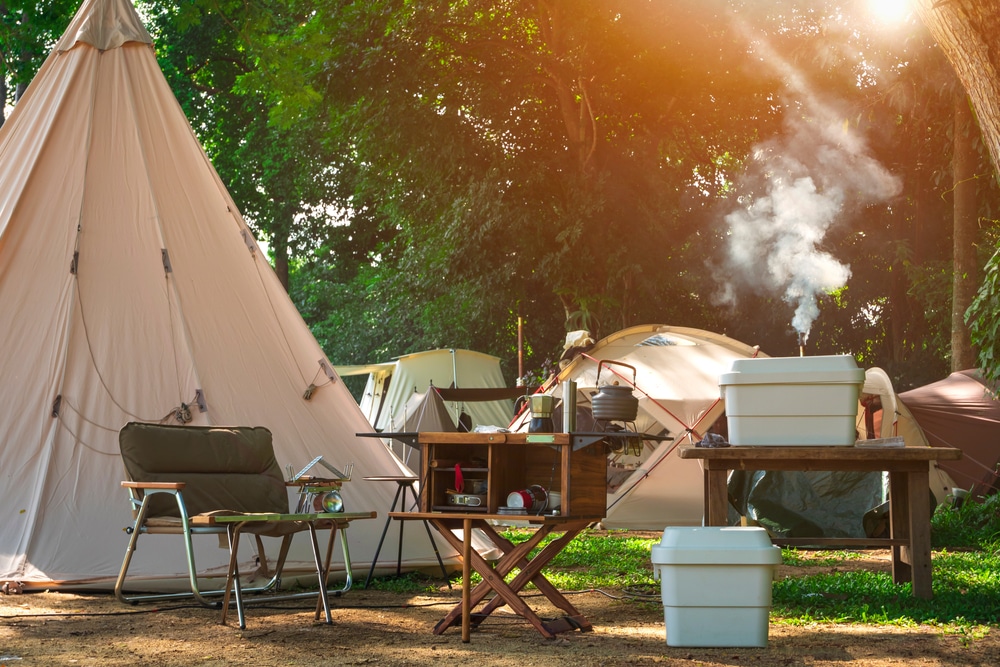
(463, 378)
(676, 382)
(132, 289)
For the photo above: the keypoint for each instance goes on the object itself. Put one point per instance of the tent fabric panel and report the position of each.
(961, 411)
(414, 373)
(38, 182)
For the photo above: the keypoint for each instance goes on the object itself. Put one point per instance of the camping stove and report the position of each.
(615, 409)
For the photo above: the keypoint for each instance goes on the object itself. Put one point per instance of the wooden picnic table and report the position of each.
(908, 468)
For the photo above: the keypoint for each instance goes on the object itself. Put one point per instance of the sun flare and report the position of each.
(889, 11)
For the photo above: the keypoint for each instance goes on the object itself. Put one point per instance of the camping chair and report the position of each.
(193, 480)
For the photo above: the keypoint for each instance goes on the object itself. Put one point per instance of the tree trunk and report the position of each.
(966, 31)
(279, 248)
(965, 281)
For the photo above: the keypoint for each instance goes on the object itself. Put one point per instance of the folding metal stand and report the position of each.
(404, 486)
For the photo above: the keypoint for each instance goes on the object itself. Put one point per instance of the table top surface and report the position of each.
(479, 516)
(408, 479)
(819, 453)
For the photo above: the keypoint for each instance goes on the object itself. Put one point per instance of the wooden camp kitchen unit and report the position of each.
(908, 467)
(574, 466)
(569, 464)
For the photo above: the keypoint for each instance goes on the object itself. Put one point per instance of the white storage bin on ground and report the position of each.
(716, 585)
(793, 400)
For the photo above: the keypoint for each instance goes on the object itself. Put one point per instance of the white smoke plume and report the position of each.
(798, 186)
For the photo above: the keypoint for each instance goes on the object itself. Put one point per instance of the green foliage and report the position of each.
(974, 524)
(426, 172)
(965, 593)
(409, 582)
(983, 318)
(28, 31)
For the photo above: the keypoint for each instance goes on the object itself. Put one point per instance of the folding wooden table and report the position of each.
(908, 467)
(573, 465)
(514, 556)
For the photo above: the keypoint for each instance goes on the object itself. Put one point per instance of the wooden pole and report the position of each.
(466, 584)
(520, 351)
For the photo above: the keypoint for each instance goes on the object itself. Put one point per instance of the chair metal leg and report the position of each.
(129, 550)
(195, 590)
(137, 528)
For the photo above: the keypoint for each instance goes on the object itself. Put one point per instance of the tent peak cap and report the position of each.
(104, 25)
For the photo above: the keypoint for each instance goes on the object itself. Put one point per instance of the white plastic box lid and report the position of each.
(715, 545)
(821, 369)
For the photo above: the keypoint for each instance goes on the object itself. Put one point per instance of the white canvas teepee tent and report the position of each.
(132, 289)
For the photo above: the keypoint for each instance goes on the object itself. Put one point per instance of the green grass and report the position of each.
(966, 561)
(966, 586)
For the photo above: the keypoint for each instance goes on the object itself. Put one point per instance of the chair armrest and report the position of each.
(171, 486)
(340, 517)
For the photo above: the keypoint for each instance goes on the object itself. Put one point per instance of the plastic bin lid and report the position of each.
(818, 363)
(682, 545)
(828, 369)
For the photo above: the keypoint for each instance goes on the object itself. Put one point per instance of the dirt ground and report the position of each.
(381, 628)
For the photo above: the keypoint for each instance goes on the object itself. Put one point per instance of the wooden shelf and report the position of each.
(514, 461)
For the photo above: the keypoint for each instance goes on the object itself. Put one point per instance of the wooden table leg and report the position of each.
(899, 527)
(716, 497)
(532, 571)
(466, 576)
(920, 534)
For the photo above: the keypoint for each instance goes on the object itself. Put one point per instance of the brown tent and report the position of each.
(961, 411)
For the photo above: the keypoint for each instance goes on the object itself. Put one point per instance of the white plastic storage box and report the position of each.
(716, 585)
(793, 400)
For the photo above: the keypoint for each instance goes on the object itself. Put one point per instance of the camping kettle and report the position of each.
(614, 402)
